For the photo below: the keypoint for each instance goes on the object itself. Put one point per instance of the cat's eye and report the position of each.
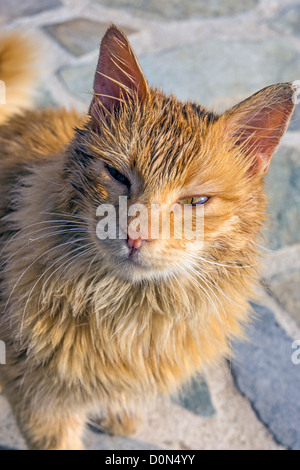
(118, 176)
(195, 200)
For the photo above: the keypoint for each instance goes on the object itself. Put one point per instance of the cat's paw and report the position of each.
(121, 424)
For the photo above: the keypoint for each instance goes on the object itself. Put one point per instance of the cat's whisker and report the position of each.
(215, 263)
(35, 261)
(59, 267)
(197, 284)
(197, 274)
(74, 258)
(27, 227)
(78, 217)
(173, 276)
(87, 252)
(61, 232)
(45, 179)
(92, 262)
(207, 296)
(230, 300)
(214, 284)
(260, 246)
(6, 260)
(205, 280)
(45, 236)
(213, 303)
(36, 283)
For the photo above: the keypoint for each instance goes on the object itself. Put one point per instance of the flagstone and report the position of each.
(12, 9)
(179, 10)
(80, 35)
(265, 373)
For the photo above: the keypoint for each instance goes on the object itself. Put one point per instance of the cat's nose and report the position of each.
(135, 244)
(136, 238)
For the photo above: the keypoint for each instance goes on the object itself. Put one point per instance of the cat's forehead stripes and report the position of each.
(172, 146)
(159, 142)
(164, 146)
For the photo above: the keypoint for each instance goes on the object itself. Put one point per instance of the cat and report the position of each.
(97, 327)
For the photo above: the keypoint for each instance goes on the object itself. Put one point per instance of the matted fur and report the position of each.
(86, 330)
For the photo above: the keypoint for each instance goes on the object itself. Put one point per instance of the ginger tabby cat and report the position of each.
(97, 326)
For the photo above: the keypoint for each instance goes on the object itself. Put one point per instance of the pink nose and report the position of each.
(135, 244)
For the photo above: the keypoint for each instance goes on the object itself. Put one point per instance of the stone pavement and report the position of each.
(216, 53)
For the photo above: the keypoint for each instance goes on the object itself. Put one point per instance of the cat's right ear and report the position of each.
(119, 77)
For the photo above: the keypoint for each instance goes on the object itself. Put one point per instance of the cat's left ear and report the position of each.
(258, 123)
(118, 76)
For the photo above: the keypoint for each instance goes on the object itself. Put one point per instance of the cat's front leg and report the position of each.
(47, 419)
(116, 422)
(52, 430)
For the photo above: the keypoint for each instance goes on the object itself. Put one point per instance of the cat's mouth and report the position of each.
(135, 262)
(135, 249)
(138, 265)
(134, 257)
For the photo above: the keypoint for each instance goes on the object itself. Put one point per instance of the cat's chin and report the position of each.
(136, 272)
(135, 267)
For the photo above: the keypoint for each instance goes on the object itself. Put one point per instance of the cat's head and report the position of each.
(153, 149)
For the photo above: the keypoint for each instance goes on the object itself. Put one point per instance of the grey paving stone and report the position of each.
(285, 288)
(181, 10)
(80, 35)
(212, 69)
(12, 9)
(43, 99)
(288, 20)
(196, 398)
(264, 373)
(10, 437)
(283, 189)
(79, 80)
(201, 73)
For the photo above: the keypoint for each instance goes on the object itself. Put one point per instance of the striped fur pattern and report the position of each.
(88, 332)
